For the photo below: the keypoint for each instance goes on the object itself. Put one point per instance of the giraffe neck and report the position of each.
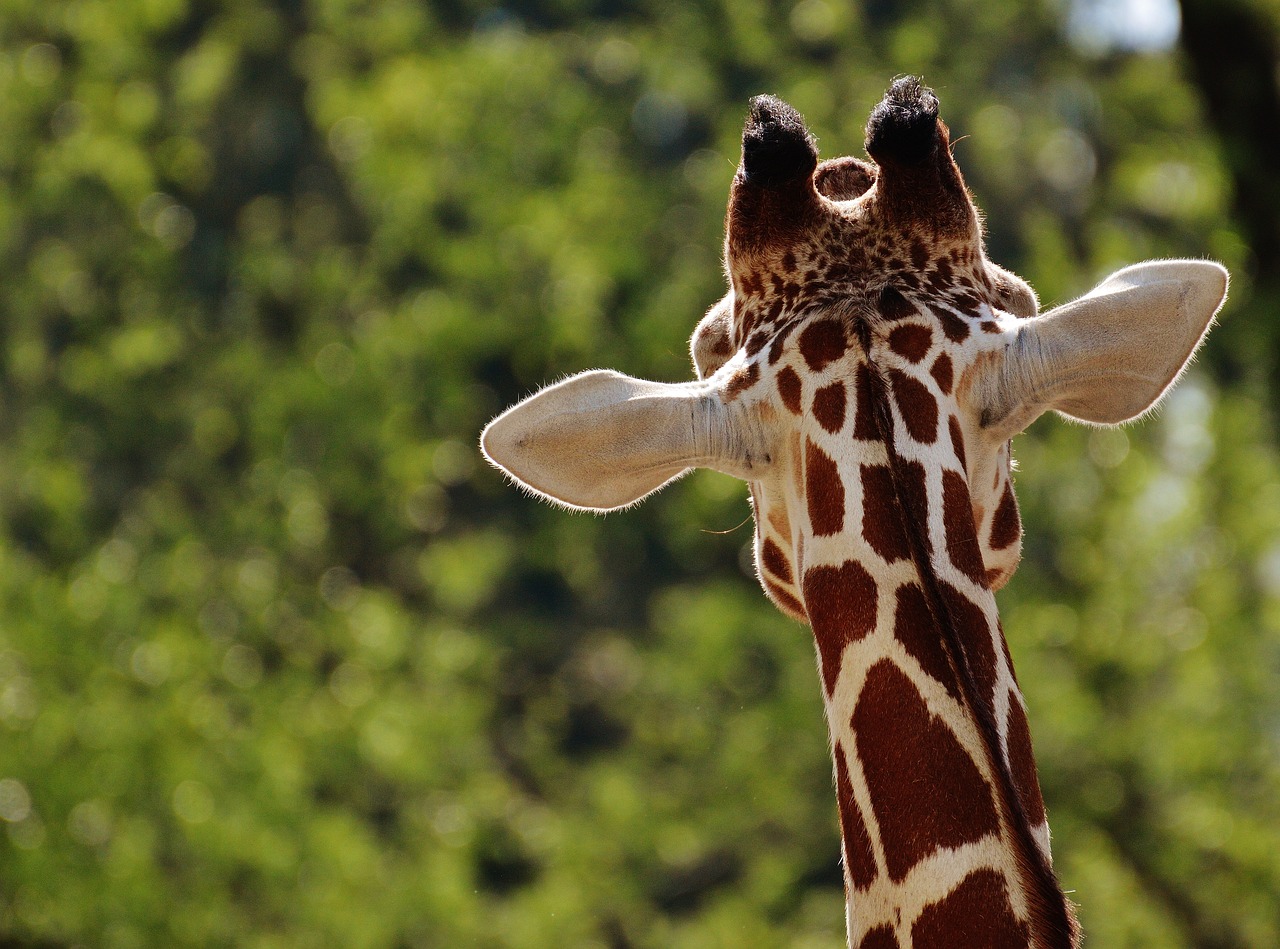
(943, 825)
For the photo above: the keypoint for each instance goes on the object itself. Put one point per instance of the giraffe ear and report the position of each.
(1109, 356)
(601, 440)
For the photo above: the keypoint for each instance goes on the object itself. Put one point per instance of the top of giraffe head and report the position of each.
(871, 226)
(847, 278)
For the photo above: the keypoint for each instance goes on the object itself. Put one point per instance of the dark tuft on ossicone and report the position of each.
(903, 127)
(776, 146)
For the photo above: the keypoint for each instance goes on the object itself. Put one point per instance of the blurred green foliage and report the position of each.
(283, 664)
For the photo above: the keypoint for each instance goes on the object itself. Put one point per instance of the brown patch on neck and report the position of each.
(957, 330)
(962, 536)
(882, 937)
(957, 443)
(775, 561)
(822, 342)
(824, 491)
(881, 527)
(859, 860)
(1023, 763)
(918, 406)
(894, 306)
(788, 384)
(829, 406)
(841, 604)
(1006, 526)
(941, 372)
(917, 629)
(911, 340)
(864, 427)
(904, 750)
(975, 913)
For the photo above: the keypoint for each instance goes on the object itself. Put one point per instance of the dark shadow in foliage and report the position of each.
(684, 888)
(590, 730)
(502, 865)
(615, 934)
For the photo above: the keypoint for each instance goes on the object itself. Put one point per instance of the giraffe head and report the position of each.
(864, 375)
(848, 278)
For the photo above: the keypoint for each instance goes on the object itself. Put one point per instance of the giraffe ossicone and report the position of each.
(864, 375)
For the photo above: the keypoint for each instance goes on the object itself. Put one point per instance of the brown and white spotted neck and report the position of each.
(864, 375)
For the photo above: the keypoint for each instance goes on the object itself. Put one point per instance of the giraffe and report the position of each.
(865, 374)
